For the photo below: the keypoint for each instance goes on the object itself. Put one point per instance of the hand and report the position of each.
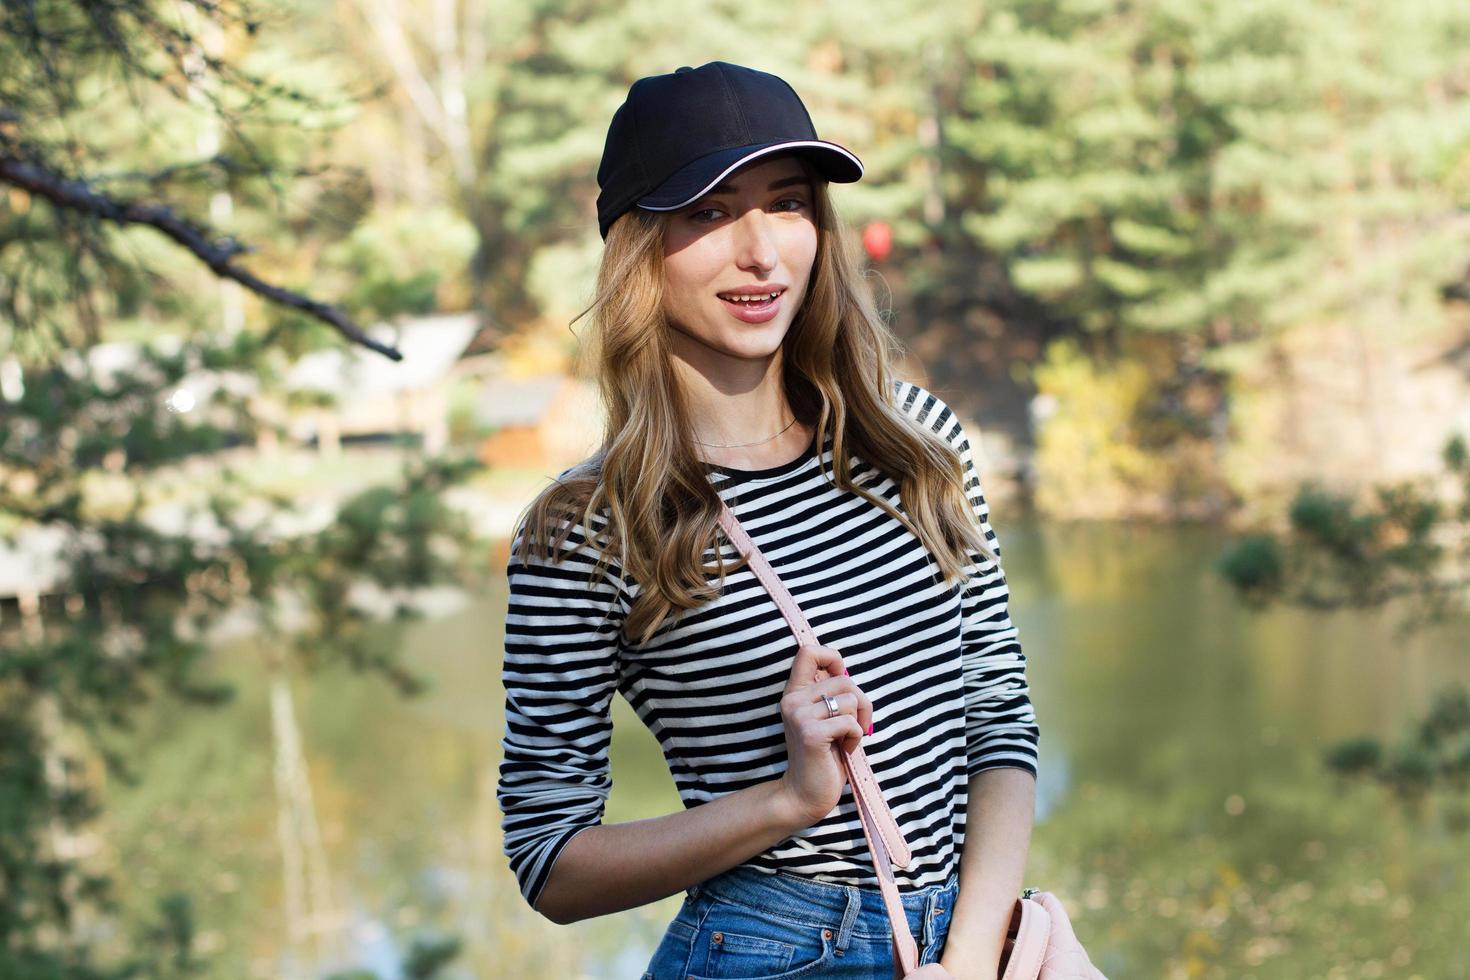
(964, 974)
(814, 775)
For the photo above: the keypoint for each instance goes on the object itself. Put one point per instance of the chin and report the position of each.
(747, 341)
(762, 344)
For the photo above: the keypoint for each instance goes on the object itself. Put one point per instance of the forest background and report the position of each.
(1175, 257)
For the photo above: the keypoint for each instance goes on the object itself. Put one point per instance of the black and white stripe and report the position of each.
(942, 664)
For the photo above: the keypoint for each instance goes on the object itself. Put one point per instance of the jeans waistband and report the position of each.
(821, 902)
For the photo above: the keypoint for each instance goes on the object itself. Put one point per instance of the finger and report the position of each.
(846, 703)
(862, 706)
(842, 730)
(813, 663)
(851, 738)
(823, 674)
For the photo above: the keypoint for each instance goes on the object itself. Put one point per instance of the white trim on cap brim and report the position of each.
(796, 144)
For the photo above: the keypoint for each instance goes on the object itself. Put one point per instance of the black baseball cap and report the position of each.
(678, 135)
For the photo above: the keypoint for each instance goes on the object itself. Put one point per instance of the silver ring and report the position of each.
(831, 704)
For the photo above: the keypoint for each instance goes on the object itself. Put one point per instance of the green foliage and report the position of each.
(1215, 170)
(1254, 565)
(1177, 166)
(150, 576)
(143, 102)
(426, 959)
(428, 956)
(1087, 449)
(1456, 455)
(1355, 756)
(1457, 461)
(395, 262)
(1448, 719)
(1204, 172)
(1340, 552)
(1436, 755)
(1410, 772)
(115, 457)
(174, 931)
(1304, 882)
(1118, 435)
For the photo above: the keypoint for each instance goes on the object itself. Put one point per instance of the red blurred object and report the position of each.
(878, 240)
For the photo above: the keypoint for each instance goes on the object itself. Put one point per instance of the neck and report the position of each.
(735, 400)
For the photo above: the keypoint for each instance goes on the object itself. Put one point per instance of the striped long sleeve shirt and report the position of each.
(942, 664)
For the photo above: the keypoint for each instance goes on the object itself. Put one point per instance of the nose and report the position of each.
(754, 242)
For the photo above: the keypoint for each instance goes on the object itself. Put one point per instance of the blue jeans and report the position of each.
(760, 926)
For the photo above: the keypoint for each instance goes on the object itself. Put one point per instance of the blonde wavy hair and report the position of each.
(649, 488)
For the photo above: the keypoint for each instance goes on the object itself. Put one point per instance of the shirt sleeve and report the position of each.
(560, 671)
(1000, 723)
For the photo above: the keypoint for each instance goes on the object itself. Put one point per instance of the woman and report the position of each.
(741, 360)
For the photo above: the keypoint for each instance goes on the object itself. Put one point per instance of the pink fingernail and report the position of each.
(870, 728)
(844, 672)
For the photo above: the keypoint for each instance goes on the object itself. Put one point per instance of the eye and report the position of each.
(704, 216)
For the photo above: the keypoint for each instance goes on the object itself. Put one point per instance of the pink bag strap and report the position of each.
(885, 840)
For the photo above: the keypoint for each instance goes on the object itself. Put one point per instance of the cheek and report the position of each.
(689, 275)
(799, 241)
(677, 298)
(800, 252)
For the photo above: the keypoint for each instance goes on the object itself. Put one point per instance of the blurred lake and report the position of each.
(1184, 815)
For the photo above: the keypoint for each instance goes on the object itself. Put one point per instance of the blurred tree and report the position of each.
(1411, 543)
(1214, 173)
(509, 113)
(450, 69)
(1209, 171)
(66, 262)
(1221, 169)
(104, 109)
(1210, 174)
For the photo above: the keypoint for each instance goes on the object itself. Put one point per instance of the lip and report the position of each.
(755, 312)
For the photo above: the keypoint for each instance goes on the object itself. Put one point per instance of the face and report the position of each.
(754, 234)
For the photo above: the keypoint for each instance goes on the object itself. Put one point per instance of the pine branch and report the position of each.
(216, 252)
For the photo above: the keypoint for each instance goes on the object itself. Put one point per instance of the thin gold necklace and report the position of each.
(741, 445)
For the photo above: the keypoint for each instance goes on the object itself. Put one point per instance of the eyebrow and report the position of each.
(774, 186)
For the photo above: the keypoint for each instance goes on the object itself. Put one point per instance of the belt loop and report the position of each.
(849, 918)
(932, 910)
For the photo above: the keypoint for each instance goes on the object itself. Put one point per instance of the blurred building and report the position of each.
(372, 395)
(361, 393)
(547, 422)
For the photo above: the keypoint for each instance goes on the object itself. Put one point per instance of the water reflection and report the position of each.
(1182, 809)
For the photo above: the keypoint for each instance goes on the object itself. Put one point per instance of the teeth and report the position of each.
(749, 298)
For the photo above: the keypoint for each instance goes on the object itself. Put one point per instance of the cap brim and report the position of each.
(696, 179)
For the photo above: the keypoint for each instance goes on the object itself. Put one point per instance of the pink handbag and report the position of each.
(1040, 943)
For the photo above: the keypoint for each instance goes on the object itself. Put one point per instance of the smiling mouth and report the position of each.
(749, 307)
(751, 299)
